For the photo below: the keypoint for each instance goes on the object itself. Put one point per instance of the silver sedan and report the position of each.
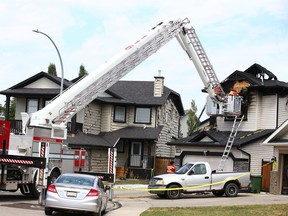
(77, 192)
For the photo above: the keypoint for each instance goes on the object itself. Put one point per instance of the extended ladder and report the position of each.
(230, 142)
(207, 66)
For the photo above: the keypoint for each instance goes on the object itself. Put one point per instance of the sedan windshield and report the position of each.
(75, 180)
(184, 168)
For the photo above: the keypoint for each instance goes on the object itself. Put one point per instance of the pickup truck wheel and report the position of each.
(173, 194)
(218, 193)
(162, 196)
(231, 190)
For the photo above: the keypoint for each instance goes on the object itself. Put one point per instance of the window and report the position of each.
(32, 105)
(142, 115)
(119, 114)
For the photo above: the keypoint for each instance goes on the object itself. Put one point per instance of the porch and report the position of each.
(136, 167)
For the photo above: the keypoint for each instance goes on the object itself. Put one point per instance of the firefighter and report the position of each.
(233, 92)
(171, 168)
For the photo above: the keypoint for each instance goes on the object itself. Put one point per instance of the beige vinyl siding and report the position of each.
(20, 107)
(258, 153)
(268, 112)
(106, 117)
(282, 109)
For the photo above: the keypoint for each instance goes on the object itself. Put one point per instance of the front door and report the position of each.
(136, 151)
(266, 169)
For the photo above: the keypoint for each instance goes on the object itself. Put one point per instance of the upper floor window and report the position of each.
(143, 115)
(32, 105)
(119, 114)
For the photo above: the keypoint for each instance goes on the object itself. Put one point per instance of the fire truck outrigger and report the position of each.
(35, 157)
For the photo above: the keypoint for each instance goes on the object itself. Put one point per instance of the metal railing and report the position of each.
(141, 161)
(16, 127)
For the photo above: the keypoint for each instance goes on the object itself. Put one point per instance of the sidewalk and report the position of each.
(130, 202)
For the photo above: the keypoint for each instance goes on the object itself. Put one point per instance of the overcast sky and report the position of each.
(235, 34)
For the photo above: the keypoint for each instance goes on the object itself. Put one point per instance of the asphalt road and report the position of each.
(128, 201)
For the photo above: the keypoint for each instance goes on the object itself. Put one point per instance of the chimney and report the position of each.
(158, 85)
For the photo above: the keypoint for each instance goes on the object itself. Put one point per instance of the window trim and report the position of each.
(120, 146)
(125, 113)
(135, 114)
(27, 101)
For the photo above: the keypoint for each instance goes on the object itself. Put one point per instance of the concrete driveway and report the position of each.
(127, 201)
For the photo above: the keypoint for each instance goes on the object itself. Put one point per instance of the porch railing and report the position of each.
(16, 127)
(141, 161)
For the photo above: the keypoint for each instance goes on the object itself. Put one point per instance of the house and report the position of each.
(136, 117)
(260, 136)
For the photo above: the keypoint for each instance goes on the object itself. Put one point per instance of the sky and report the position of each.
(235, 34)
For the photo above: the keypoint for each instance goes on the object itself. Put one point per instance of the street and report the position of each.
(133, 202)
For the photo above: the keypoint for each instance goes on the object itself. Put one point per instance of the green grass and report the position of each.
(263, 210)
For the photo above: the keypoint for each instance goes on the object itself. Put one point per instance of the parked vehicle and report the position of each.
(198, 177)
(77, 192)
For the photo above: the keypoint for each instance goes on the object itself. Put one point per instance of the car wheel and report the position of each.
(231, 190)
(48, 211)
(174, 194)
(99, 213)
(218, 193)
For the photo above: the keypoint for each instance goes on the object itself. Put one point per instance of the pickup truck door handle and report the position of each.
(206, 177)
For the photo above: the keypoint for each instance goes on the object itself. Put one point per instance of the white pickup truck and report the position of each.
(198, 177)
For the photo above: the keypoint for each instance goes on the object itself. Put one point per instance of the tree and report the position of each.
(193, 120)
(2, 110)
(52, 69)
(82, 71)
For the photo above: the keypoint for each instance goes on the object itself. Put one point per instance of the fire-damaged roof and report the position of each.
(259, 78)
(220, 138)
(110, 139)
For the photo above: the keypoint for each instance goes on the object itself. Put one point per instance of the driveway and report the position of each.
(133, 202)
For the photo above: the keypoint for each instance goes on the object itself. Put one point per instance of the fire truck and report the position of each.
(35, 157)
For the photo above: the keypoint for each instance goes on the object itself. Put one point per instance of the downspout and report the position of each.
(249, 156)
(277, 110)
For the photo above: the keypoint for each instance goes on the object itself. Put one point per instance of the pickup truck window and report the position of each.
(198, 169)
(184, 168)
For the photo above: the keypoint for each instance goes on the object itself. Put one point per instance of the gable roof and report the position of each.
(275, 138)
(110, 139)
(19, 89)
(220, 138)
(122, 92)
(142, 94)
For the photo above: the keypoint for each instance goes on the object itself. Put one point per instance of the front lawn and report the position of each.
(263, 210)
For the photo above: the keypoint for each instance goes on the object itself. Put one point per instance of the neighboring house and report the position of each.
(183, 124)
(136, 117)
(265, 108)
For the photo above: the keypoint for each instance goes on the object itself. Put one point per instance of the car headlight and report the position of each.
(156, 181)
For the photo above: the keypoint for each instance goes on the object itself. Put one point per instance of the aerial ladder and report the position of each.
(60, 110)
